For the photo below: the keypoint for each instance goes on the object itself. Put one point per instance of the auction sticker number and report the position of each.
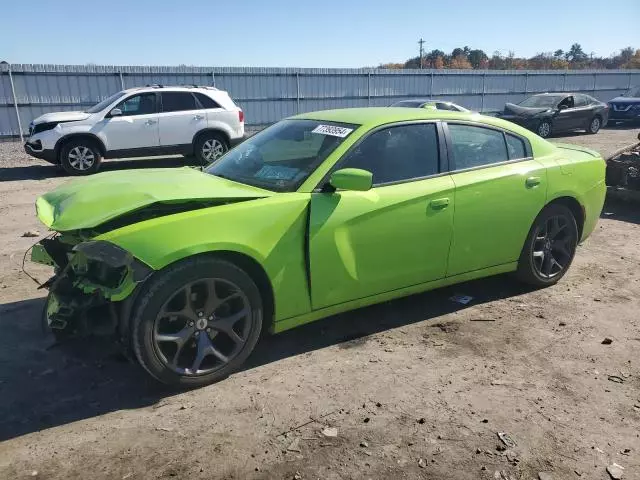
(332, 130)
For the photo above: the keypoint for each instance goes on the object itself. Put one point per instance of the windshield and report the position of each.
(632, 92)
(281, 157)
(104, 103)
(541, 101)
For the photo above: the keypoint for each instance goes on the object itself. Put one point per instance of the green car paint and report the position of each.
(325, 252)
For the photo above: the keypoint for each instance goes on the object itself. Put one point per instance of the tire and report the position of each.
(594, 125)
(179, 335)
(544, 129)
(209, 147)
(542, 247)
(80, 157)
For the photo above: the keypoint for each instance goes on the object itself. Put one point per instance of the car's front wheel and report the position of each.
(209, 147)
(544, 129)
(197, 322)
(550, 247)
(80, 157)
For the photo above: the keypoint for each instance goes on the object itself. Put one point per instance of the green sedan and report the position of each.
(318, 214)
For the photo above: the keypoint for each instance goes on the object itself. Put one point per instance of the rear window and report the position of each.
(178, 101)
(205, 101)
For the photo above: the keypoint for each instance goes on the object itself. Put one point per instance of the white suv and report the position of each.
(139, 122)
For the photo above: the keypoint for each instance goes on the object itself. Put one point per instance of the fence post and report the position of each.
(595, 82)
(484, 78)
(629, 83)
(298, 92)
(431, 85)
(564, 82)
(15, 103)
(526, 83)
(121, 79)
(213, 78)
(369, 88)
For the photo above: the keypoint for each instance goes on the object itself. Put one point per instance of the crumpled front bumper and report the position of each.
(90, 278)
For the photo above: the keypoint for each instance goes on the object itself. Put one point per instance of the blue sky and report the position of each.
(320, 33)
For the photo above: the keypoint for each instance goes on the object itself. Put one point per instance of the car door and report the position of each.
(135, 128)
(395, 235)
(568, 116)
(499, 190)
(583, 110)
(181, 118)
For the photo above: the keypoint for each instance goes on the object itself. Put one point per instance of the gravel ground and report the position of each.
(417, 388)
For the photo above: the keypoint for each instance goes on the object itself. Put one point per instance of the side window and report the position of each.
(476, 146)
(516, 147)
(142, 104)
(445, 106)
(397, 153)
(178, 101)
(581, 100)
(205, 101)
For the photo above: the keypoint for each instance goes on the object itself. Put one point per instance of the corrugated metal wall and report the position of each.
(269, 94)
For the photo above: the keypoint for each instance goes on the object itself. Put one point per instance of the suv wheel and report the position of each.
(80, 157)
(209, 147)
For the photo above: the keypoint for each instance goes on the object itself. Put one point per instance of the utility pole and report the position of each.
(421, 43)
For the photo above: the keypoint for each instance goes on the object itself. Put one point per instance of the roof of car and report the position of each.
(172, 87)
(381, 115)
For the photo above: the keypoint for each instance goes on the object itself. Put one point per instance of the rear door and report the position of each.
(499, 190)
(568, 118)
(583, 110)
(180, 119)
(395, 235)
(137, 127)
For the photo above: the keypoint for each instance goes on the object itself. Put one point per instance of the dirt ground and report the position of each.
(415, 388)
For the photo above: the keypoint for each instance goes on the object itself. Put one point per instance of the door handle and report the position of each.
(532, 182)
(439, 203)
(150, 122)
(198, 117)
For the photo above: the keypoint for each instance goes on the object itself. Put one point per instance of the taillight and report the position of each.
(240, 116)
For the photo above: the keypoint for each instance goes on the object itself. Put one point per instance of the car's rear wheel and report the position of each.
(594, 125)
(550, 247)
(80, 157)
(544, 129)
(209, 147)
(197, 322)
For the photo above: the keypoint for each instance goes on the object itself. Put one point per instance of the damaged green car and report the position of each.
(315, 215)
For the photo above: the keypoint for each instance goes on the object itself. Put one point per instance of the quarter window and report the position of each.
(397, 153)
(205, 101)
(142, 104)
(516, 147)
(445, 106)
(476, 146)
(178, 101)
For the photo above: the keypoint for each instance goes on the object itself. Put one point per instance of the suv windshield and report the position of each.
(281, 157)
(541, 101)
(632, 92)
(104, 103)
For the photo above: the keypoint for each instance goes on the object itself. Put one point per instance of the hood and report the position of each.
(513, 109)
(93, 201)
(625, 100)
(61, 117)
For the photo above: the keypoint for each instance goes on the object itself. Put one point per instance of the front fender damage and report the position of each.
(91, 283)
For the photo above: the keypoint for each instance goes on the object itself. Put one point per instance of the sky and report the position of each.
(320, 33)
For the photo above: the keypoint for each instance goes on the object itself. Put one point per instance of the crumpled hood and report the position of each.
(61, 117)
(513, 109)
(92, 201)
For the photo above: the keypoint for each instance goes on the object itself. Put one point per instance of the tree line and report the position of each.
(575, 58)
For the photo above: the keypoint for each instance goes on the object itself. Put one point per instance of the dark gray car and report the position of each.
(549, 113)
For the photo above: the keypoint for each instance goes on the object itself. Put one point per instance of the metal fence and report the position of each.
(269, 94)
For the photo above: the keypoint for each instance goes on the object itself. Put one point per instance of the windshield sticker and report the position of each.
(332, 130)
(275, 172)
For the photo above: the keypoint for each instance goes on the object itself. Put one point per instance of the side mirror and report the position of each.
(562, 107)
(116, 112)
(351, 179)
